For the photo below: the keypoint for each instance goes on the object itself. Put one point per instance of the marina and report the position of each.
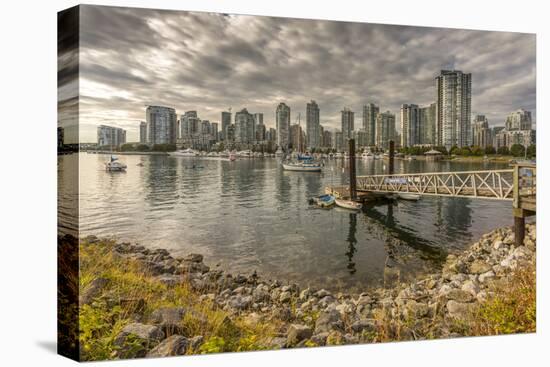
(252, 215)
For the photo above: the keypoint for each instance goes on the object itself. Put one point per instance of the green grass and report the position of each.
(102, 320)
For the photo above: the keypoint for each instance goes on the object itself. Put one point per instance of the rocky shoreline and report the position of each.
(427, 308)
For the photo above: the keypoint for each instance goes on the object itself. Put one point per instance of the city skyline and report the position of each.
(257, 62)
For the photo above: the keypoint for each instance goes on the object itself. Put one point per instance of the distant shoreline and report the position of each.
(123, 153)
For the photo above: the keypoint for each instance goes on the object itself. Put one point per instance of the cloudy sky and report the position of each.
(130, 58)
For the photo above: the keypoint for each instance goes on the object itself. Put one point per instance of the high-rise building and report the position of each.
(519, 120)
(244, 127)
(410, 125)
(481, 133)
(271, 134)
(361, 138)
(370, 111)
(297, 142)
(226, 121)
(162, 125)
(347, 123)
(338, 141)
(230, 133)
(214, 131)
(327, 139)
(427, 125)
(453, 108)
(260, 132)
(282, 121)
(110, 136)
(259, 118)
(190, 124)
(312, 124)
(143, 132)
(385, 129)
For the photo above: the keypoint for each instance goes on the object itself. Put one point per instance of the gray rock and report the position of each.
(175, 345)
(328, 321)
(322, 293)
(368, 325)
(460, 295)
(261, 293)
(240, 302)
(486, 276)
(195, 258)
(93, 290)
(320, 339)
(285, 297)
(148, 336)
(326, 301)
(282, 313)
(470, 287)
(459, 310)
(297, 333)
(479, 267)
(195, 342)
(170, 280)
(168, 318)
(415, 310)
(191, 267)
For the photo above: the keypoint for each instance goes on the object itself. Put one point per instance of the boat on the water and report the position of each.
(245, 153)
(114, 165)
(408, 196)
(323, 201)
(304, 166)
(348, 204)
(367, 155)
(184, 153)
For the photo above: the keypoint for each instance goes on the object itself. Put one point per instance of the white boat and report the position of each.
(114, 165)
(184, 153)
(408, 196)
(366, 155)
(303, 166)
(244, 153)
(338, 155)
(348, 204)
(323, 201)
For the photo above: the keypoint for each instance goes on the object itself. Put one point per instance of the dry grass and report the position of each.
(512, 309)
(131, 291)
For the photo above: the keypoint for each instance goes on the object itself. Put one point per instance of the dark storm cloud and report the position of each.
(209, 62)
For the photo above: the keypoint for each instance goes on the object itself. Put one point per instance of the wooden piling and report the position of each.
(392, 154)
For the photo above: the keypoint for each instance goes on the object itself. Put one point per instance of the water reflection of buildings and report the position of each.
(161, 181)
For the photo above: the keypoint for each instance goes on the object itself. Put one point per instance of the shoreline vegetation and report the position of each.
(137, 302)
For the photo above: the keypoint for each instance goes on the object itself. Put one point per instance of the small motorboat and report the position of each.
(114, 165)
(323, 201)
(407, 196)
(348, 204)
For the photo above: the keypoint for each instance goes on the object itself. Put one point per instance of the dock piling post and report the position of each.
(392, 154)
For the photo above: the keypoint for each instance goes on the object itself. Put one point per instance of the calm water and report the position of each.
(251, 215)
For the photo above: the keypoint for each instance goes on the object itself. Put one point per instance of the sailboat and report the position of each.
(303, 162)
